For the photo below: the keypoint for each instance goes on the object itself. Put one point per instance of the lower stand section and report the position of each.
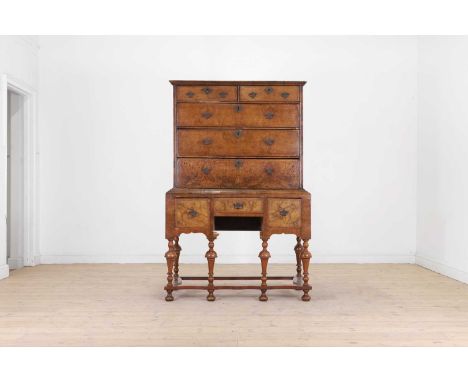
(300, 281)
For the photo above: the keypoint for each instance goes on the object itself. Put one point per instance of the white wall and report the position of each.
(18, 60)
(106, 143)
(442, 238)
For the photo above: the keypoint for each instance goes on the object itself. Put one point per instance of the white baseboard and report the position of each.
(442, 269)
(225, 259)
(37, 260)
(4, 271)
(15, 262)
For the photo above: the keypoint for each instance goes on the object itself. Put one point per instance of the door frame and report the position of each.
(31, 178)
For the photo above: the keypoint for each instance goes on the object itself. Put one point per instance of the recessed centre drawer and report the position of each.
(239, 115)
(238, 205)
(237, 173)
(237, 142)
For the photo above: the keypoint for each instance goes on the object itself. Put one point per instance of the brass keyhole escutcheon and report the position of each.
(268, 141)
(192, 212)
(283, 212)
(237, 133)
(269, 115)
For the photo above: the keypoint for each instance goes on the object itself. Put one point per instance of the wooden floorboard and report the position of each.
(123, 305)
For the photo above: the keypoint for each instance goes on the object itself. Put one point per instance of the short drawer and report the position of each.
(269, 93)
(206, 93)
(284, 213)
(192, 213)
(238, 115)
(238, 142)
(237, 173)
(238, 205)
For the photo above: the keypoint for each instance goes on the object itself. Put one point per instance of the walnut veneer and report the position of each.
(238, 166)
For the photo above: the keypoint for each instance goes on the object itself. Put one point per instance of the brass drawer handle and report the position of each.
(269, 115)
(237, 108)
(238, 163)
(237, 133)
(207, 141)
(268, 141)
(206, 170)
(190, 94)
(207, 114)
(285, 95)
(283, 212)
(207, 90)
(252, 95)
(269, 170)
(268, 90)
(192, 213)
(223, 95)
(238, 205)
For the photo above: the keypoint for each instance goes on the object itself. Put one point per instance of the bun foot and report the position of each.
(306, 297)
(210, 297)
(263, 297)
(169, 298)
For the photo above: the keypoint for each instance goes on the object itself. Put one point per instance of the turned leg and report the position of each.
(211, 256)
(170, 258)
(178, 248)
(297, 280)
(264, 256)
(306, 255)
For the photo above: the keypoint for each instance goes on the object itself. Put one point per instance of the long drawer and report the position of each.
(237, 142)
(242, 115)
(237, 173)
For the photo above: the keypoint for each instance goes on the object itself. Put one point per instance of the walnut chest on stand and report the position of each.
(238, 166)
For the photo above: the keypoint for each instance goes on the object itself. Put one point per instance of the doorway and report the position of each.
(18, 175)
(15, 179)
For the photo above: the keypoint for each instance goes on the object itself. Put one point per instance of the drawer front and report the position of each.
(192, 213)
(237, 173)
(206, 93)
(269, 93)
(237, 142)
(238, 206)
(284, 213)
(242, 115)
